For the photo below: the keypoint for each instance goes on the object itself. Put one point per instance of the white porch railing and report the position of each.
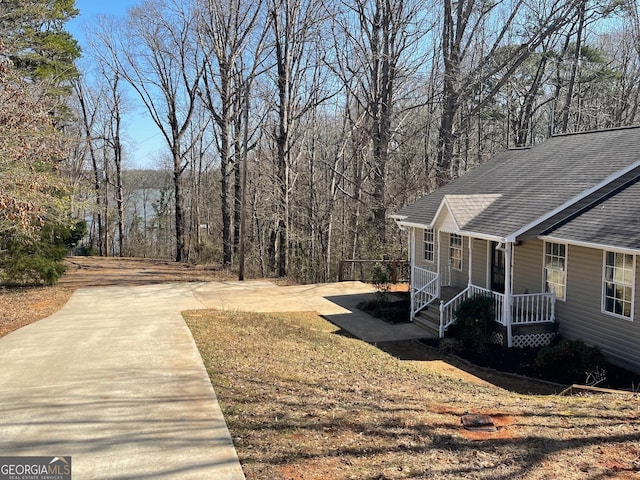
(424, 288)
(534, 308)
(525, 308)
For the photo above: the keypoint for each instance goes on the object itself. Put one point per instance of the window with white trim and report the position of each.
(455, 251)
(555, 268)
(429, 244)
(617, 292)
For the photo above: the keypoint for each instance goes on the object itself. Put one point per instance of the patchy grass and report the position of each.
(304, 401)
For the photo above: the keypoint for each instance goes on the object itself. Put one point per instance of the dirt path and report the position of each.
(101, 272)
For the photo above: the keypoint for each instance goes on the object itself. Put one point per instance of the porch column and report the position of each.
(411, 234)
(470, 261)
(439, 265)
(508, 292)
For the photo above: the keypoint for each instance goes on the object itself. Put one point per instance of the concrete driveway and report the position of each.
(335, 301)
(115, 380)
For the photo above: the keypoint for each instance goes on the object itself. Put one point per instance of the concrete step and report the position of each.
(429, 319)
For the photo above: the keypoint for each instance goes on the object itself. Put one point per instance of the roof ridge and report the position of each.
(602, 130)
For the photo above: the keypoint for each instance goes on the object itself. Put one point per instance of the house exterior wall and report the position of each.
(419, 249)
(580, 316)
(527, 267)
(480, 261)
(459, 278)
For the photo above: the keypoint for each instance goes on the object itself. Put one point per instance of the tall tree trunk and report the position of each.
(524, 118)
(451, 38)
(117, 158)
(574, 67)
(282, 162)
(179, 206)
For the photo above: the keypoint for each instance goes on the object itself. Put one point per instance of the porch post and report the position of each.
(508, 292)
(439, 265)
(470, 260)
(411, 234)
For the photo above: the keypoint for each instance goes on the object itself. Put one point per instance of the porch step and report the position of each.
(429, 319)
(447, 293)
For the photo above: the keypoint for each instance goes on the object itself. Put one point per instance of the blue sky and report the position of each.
(144, 140)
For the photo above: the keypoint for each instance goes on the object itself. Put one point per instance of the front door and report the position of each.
(497, 268)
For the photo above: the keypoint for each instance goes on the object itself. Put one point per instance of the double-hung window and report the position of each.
(617, 295)
(455, 251)
(429, 245)
(555, 268)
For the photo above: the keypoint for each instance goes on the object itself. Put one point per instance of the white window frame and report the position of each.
(429, 245)
(555, 272)
(456, 248)
(626, 282)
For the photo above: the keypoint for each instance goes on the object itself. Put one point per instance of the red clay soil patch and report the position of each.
(503, 423)
(608, 457)
(321, 469)
(506, 424)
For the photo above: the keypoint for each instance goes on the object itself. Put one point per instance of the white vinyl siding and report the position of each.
(555, 268)
(581, 316)
(528, 269)
(617, 291)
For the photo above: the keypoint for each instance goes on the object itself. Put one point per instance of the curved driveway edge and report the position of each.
(115, 380)
(337, 302)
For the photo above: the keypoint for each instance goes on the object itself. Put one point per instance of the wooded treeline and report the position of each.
(337, 112)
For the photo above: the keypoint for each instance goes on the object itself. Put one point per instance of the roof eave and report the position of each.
(597, 246)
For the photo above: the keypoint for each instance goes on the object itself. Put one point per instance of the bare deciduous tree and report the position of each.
(162, 61)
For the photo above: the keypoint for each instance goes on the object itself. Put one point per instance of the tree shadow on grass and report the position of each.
(376, 431)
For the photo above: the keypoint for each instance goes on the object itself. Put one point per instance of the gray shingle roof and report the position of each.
(614, 222)
(533, 183)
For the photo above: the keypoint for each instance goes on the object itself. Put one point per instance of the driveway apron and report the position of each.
(114, 380)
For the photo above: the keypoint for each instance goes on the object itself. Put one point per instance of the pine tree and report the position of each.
(36, 41)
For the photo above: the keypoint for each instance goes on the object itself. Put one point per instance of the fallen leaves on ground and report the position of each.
(22, 306)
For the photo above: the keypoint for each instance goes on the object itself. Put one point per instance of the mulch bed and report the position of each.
(518, 361)
(521, 361)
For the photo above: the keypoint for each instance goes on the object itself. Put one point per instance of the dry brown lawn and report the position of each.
(305, 401)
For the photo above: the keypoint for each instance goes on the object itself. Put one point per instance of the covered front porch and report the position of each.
(522, 319)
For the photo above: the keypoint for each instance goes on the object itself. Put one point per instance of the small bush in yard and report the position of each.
(382, 282)
(29, 261)
(474, 319)
(570, 356)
